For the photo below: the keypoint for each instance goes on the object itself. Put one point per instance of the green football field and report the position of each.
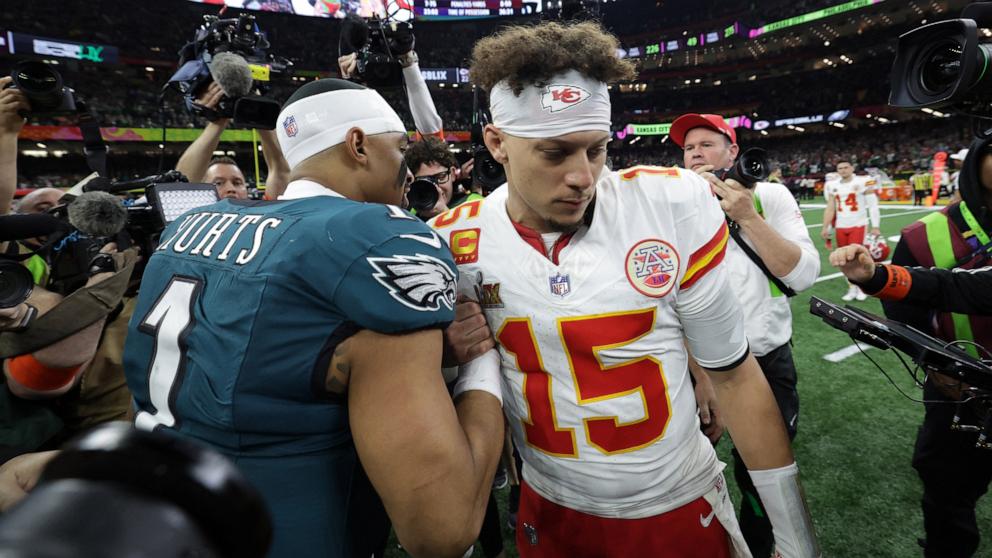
(856, 431)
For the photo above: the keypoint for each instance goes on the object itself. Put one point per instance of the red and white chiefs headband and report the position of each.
(571, 102)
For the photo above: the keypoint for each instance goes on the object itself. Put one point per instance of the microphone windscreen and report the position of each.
(98, 214)
(232, 73)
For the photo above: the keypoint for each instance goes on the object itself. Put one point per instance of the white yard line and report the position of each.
(818, 225)
(844, 353)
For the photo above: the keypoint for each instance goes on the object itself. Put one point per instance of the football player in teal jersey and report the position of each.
(303, 339)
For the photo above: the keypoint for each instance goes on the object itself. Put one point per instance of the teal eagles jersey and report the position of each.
(240, 309)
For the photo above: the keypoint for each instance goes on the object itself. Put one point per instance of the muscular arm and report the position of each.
(73, 351)
(401, 413)
(196, 159)
(275, 162)
(752, 416)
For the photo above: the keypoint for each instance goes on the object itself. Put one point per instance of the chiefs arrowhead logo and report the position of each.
(560, 97)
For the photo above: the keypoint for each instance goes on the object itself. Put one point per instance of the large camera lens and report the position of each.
(41, 84)
(940, 67)
(487, 171)
(423, 194)
(16, 283)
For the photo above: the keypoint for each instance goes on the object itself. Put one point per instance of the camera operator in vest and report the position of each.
(198, 164)
(771, 256)
(59, 340)
(954, 472)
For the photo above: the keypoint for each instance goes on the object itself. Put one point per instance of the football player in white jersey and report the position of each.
(851, 203)
(590, 280)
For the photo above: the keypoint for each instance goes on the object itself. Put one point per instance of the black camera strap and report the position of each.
(93, 145)
(735, 231)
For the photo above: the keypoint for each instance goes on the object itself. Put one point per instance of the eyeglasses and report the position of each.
(439, 177)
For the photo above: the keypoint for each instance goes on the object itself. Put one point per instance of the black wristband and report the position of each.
(877, 281)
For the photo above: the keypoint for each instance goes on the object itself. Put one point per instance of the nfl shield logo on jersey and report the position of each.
(652, 267)
(559, 284)
(290, 126)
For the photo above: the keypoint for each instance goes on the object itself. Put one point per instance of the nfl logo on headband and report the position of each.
(290, 126)
(561, 97)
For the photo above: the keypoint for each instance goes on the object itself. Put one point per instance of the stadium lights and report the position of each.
(218, 153)
(41, 145)
(717, 82)
(826, 43)
(764, 132)
(149, 69)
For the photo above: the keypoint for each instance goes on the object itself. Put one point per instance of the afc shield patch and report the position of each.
(289, 125)
(652, 267)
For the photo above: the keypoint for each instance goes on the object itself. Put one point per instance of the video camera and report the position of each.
(933, 355)
(75, 231)
(945, 65)
(377, 44)
(487, 172)
(117, 491)
(43, 87)
(232, 52)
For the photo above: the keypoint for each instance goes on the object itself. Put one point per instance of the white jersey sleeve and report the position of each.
(710, 314)
(783, 215)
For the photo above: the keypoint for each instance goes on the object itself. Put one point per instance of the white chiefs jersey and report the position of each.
(595, 380)
(852, 207)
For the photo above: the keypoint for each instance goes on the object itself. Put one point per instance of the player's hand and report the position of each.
(711, 420)
(875, 231)
(825, 232)
(347, 65)
(468, 336)
(854, 262)
(19, 476)
(12, 104)
(735, 200)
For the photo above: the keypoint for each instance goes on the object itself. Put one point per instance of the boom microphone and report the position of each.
(98, 214)
(232, 73)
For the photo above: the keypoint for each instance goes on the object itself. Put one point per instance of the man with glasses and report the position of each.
(430, 158)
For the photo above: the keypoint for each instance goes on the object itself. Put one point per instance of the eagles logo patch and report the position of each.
(420, 282)
(652, 267)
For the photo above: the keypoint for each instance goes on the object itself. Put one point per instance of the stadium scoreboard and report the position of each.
(455, 9)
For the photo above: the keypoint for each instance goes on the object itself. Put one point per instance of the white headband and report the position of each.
(571, 102)
(318, 122)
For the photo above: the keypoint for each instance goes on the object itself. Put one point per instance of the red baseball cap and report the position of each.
(687, 122)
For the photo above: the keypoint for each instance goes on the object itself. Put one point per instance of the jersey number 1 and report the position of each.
(583, 338)
(169, 321)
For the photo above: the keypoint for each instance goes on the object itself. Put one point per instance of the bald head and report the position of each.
(40, 200)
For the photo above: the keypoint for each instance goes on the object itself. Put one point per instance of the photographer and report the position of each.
(199, 165)
(430, 160)
(78, 376)
(955, 474)
(771, 226)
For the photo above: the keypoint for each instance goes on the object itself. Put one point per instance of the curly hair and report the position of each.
(532, 55)
(429, 150)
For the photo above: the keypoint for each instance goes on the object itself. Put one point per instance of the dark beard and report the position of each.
(566, 228)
